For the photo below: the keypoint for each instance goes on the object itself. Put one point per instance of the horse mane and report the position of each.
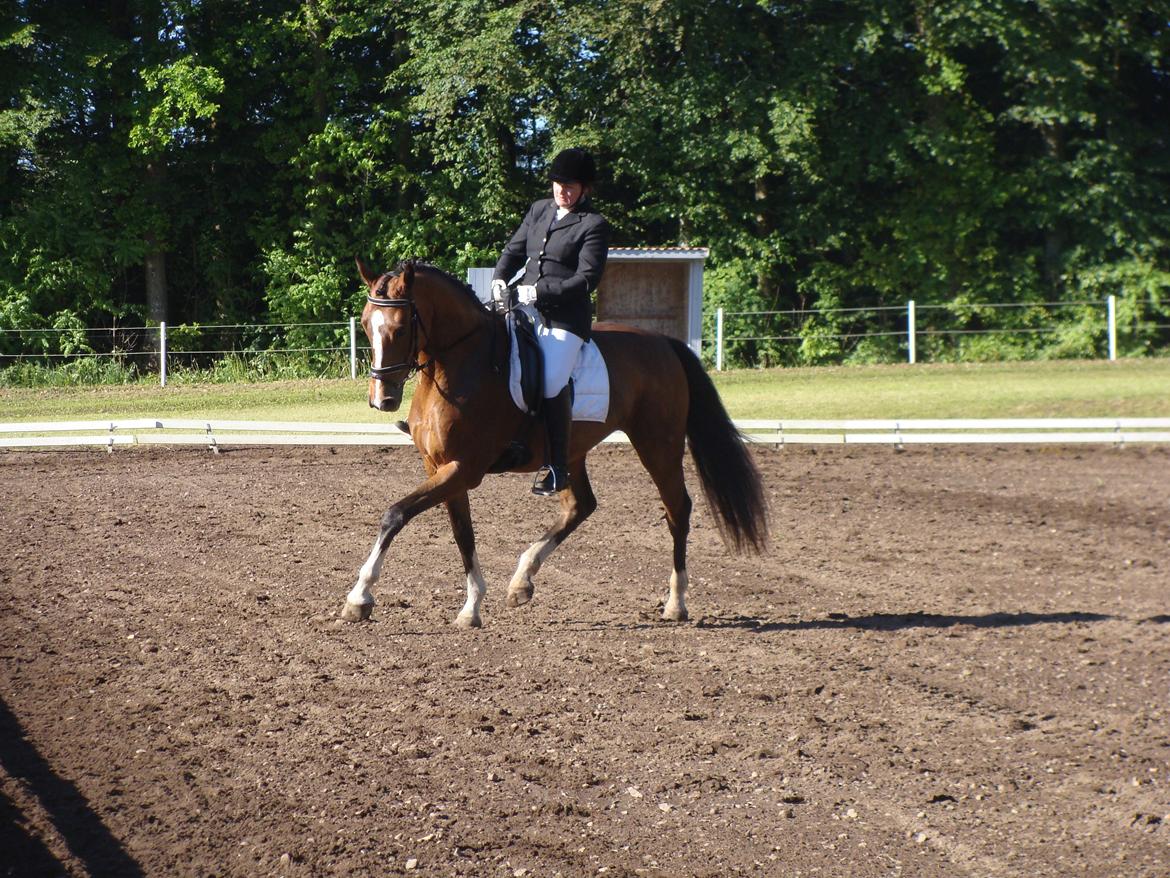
(418, 264)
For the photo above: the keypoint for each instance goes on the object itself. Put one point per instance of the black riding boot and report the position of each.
(558, 420)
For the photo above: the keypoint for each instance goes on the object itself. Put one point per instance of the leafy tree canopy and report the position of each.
(217, 160)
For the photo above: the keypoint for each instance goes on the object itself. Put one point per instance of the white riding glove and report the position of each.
(526, 294)
(499, 292)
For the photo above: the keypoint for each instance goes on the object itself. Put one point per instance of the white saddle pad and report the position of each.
(590, 382)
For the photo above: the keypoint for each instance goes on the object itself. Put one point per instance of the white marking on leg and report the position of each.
(476, 588)
(361, 594)
(521, 588)
(533, 557)
(531, 560)
(676, 601)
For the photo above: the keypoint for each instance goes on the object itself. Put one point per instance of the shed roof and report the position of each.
(669, 254)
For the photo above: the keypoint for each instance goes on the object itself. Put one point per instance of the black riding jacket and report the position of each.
(565, 259)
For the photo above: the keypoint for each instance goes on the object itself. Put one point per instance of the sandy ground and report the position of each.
(952, 662)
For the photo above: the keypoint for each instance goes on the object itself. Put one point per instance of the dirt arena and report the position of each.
(952, 662)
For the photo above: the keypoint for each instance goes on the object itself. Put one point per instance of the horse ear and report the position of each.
(408, 274)
(368, 276)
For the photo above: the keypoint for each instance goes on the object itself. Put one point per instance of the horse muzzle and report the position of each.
(383, 396)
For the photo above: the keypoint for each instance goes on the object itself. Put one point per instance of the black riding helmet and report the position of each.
(573, 165)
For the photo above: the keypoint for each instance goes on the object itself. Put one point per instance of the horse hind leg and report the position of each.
(678, 518)
(577, 504)
(663, 460)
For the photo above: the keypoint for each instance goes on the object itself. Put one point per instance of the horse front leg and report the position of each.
(442, 484)
(459, 510)
(359, 603)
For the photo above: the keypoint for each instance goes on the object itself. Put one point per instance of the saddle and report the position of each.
(588, 386)
(522, 329)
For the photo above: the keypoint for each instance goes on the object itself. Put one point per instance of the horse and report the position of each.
(463, 422)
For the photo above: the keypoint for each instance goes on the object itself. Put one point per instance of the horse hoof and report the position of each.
(468, 621)
(674, 614)
(518, 597)
(356, 612)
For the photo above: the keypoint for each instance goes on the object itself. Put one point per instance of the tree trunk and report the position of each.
(155, 263)
(156, 280)
(1054, 235)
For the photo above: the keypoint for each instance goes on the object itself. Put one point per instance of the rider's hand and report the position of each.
(526, 294)
(499, 292)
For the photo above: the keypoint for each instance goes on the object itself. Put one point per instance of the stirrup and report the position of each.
(549, 481)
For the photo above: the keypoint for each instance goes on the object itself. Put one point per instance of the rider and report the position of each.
(560, 248)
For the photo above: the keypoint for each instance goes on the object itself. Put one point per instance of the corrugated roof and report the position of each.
(675, 253)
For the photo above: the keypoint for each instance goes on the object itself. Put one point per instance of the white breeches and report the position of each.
(559, 349)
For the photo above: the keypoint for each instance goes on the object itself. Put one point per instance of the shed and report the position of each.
(656, 288)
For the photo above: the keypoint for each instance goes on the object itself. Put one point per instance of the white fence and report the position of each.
(155, 347)
(910, 335)
(164, 347)
(215, 434)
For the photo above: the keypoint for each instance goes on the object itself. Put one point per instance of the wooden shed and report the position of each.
(656, 288)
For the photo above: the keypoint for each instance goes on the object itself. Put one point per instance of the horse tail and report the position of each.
(731, 482)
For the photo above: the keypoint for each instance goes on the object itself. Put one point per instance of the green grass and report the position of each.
(325, 400)
(1134, 388)
(1064, 388)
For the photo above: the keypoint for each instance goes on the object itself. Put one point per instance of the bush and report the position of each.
(82, 371)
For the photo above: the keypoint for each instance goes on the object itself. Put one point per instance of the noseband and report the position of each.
(410, 364)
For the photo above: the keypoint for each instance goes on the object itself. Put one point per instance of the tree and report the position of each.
(224, 159)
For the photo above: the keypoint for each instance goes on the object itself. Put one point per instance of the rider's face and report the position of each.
(567, 194)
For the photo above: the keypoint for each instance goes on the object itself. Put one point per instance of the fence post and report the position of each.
(352, 348)
(1111, 308)
(718, 339)
(911, 332)
(162, 353)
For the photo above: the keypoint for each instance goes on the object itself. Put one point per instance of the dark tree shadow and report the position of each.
(901, 621)
(21, 852)
(74, 819)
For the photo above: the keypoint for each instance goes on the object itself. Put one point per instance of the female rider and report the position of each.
(558, 253)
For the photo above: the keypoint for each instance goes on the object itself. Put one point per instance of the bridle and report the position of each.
(409, 365)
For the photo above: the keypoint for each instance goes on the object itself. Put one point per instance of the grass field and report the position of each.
(1133, 388)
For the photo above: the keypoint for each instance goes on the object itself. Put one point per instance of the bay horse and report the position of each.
(419, 319)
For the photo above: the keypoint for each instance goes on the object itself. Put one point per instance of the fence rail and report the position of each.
(162, 347)
(898, 331)
(215, 434)
(912, 330)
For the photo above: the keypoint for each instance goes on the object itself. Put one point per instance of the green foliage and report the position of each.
(839, 157)
(80, 372)
(182, 91)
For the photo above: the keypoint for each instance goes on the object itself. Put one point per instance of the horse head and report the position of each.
(416, 317)
(390, 319)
